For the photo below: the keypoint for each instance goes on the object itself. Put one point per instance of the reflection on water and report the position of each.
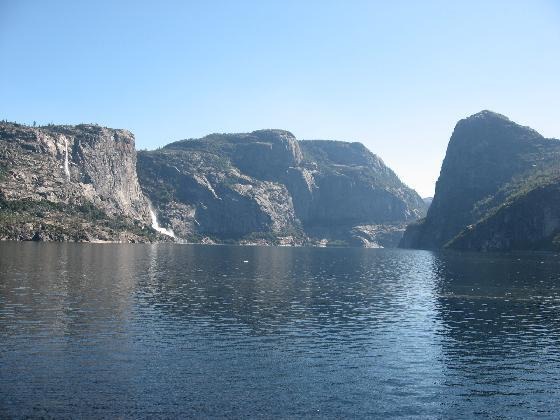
(502, 331)
(171, 330)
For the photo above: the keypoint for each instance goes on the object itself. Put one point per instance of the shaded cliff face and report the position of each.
(266, 187)
(528, 221)
(354, 186)
(70, 183)
(489, 161)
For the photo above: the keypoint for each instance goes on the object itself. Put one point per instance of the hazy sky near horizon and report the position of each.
(396, 76)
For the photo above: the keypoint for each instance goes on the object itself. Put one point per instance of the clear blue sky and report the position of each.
(395, 75)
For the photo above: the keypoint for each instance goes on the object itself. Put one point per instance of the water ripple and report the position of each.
(177, 331)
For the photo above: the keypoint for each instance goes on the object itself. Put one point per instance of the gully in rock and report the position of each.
(66, 164)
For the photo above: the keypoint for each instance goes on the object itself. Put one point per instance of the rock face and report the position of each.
(530, 221)
(354, 186)
(70, 183)
(492, 170)
(266, 187)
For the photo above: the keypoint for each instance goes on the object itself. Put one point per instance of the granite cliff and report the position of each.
(268, 187)
(497, 190)
(528, 221)
(75, 183)
(81, 183)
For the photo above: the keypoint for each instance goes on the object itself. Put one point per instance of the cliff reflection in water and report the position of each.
(247, 331)
(501, 318)
(266, 290)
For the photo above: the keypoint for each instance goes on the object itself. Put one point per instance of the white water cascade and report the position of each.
(66, 164)
(156, 226)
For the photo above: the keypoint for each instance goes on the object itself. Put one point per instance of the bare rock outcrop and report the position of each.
(268, 187)
(70, 183)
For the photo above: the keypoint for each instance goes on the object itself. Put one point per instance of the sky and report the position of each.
(396, 76)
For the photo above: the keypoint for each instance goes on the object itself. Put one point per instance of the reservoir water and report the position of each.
(150, 331)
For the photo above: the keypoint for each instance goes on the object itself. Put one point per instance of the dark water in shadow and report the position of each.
(92, 330)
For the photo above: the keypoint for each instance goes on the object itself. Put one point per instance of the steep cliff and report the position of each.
(491, 162)
(528, 221)
(70, 183)
(354, 186)
(266, 187)
(203, 190)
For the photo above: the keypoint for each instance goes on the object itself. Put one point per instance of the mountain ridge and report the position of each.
(86, 182)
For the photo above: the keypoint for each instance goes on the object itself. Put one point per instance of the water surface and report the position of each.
(101, 330)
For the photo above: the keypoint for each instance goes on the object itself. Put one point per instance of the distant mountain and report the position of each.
(497, 190)
(74, 183)
(428, 201)
(268, 187)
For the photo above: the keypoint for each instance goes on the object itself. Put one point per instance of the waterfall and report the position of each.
(66, 164)
(156, 226)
